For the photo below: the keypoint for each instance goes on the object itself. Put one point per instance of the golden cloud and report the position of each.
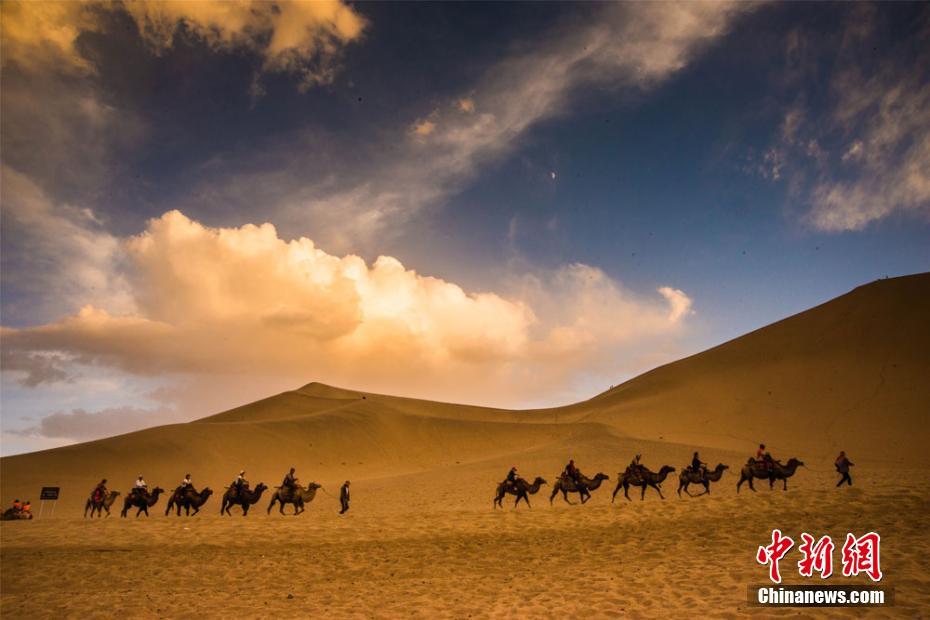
(244, 302)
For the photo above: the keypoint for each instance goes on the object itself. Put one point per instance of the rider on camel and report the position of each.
(100, 491)
(697, 465)
(140, 487)
(763, 457)
(289, 484)
(240, 483)
(511, 478)
(572, 472)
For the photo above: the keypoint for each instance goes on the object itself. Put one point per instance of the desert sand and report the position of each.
(422, 539)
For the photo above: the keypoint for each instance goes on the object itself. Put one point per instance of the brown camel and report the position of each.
(100, 505)
(689, 476)
(298, 499)
(521, 488)
(244, 499)
(187, 500)
(142, 500)
(567, 485)
(754, 469)
(643, 479)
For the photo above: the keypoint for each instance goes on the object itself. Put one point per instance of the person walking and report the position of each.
(842, 466)
(344, 497)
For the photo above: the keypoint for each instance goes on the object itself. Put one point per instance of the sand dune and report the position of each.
(421, 538)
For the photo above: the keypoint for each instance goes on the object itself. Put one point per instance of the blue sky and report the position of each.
(566, 194)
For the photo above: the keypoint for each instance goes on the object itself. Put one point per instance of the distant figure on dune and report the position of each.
(842, 466)
(344, 497)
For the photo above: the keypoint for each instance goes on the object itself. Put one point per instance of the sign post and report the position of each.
(48, 494)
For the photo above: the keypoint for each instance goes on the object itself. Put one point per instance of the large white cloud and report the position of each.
(235, 302)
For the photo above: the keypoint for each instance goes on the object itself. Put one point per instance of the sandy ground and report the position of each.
(430, 545)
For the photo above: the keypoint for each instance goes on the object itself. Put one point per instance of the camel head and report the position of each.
(721, 467)
(314, 485)
(540, 480)
(666, 469)
(206, 492)
(793, 462)
(114, 494)
(261, 487)
(601, 476)
(157, 490)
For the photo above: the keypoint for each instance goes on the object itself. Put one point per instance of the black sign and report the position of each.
(49, 493)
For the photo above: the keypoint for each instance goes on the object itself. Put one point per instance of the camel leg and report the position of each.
(626, 491)
(526, 498)
(785, 480)
(658, 490)
(555, 491)
(707, 487)
(565, 497)
(614, 496)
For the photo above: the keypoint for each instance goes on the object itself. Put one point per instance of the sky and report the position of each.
(508, 204)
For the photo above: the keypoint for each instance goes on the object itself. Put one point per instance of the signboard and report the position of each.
(49, 493)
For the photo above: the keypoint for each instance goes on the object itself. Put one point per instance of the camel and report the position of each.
(566, 486)
(142, 500)
(646, 479)
(188, 500)
(753, 469)
(521, 488)
(245, 499)
(100, 506)
(301, 497)
(688, 476)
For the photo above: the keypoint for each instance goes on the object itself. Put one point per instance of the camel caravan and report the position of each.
(571, 480)
(188, 498)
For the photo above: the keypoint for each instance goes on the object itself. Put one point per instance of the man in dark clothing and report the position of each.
(697, 465)
(289, 484)
(572, 472)
(842, 466)
(240, 483)
(344, 497)
(511, 478)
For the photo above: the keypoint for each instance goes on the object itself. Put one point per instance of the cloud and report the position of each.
(40, 35)
(629, 48)
(865, 154)
(302, 38)
(81, 425)
(242, 302)
(297, 37)
(55, 256)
